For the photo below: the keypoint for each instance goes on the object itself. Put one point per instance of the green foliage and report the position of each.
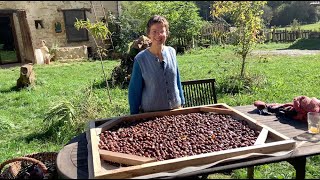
(123, 31)
(53, 49)
(97, 29)
(100, 31)
(286, 12)
(283, 171)
(303, 44)
(59, 121)
(313, 27)
(247, 17)
(183, 17)
(204, 9)
(234, 84)
(267, 15)
(295, 25)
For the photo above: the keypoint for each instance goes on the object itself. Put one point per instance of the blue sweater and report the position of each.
(155, 85)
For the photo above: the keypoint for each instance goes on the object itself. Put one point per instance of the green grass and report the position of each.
(8, 56)
(22, 113)
(313, 27)
(306, 44)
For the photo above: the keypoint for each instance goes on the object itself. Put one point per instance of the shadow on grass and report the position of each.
(100, 84)
(12, 89)
(52, 133)
(305, 44)
(49, 135)
(41, 136)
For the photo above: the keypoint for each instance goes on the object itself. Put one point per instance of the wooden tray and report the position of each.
(269, 141)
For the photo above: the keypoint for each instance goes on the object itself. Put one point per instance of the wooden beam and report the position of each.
(84, 9)
(107, 125)
(122, 158)
(216, 110)
(93, 152)
(262, 137)
(195, 160)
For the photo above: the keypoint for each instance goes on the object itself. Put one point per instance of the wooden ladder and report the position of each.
(100, 15)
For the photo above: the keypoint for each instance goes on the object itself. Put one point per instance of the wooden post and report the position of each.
(299, 165)
(285, 35)
(273, 35)
(299, 33)
(26, 37)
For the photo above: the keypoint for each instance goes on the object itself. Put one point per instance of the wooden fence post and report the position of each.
(285, 35)
(273, 35)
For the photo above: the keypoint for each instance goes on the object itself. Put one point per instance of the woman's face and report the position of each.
(158, 34)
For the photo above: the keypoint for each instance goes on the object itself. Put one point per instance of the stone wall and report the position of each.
(47, 12)
(66, 53)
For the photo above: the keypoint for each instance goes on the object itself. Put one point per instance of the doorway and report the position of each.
(8, 44)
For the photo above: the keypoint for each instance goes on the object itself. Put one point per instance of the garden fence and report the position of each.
(289, 36)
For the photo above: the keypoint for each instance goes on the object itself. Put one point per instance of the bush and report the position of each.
(234, 84)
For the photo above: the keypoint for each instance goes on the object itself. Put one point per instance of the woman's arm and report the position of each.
(135, 89)
(180, 87)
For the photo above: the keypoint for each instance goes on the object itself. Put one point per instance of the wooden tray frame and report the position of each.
(269, 141)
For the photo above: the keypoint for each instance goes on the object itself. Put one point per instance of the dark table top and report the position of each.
(72, 160)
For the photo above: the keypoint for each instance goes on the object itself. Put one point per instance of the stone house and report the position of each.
(26, 23)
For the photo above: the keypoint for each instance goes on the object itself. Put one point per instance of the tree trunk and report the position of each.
(243, 65)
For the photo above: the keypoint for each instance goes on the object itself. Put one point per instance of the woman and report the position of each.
(155, 82)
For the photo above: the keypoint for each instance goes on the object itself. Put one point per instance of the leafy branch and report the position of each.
(98, 30)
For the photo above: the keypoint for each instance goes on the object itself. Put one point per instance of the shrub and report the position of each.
(234, 84)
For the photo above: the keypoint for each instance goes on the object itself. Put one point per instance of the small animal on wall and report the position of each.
(27, 76)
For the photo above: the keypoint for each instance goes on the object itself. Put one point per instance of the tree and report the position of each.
(247, 17)
(267, 15)
(183, 17)
(286, 12)
(204, 9)
(295, 25)
(99, 31)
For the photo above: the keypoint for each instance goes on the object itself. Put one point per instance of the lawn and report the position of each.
(24, 127)
(313, 27)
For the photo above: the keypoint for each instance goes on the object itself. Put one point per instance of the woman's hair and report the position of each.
(157, 19)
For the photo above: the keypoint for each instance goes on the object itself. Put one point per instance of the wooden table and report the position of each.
(72, 159)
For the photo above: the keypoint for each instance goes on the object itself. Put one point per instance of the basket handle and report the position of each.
(41, 165)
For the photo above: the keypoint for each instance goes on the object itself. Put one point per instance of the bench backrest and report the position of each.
(199, 92)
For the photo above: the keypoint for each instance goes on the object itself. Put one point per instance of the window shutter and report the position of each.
(73, 35)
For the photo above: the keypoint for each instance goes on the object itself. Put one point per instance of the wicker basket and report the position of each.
(42, 164)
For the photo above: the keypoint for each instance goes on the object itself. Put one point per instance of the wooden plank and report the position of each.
(26, 36)
(122, 158)
(217, 110)
(262, 137)
(107, 125)
(201, 159)
(94, 163)
(252, 122)
(152, 115)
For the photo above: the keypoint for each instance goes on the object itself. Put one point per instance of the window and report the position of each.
(38, 23)
(73, 35)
